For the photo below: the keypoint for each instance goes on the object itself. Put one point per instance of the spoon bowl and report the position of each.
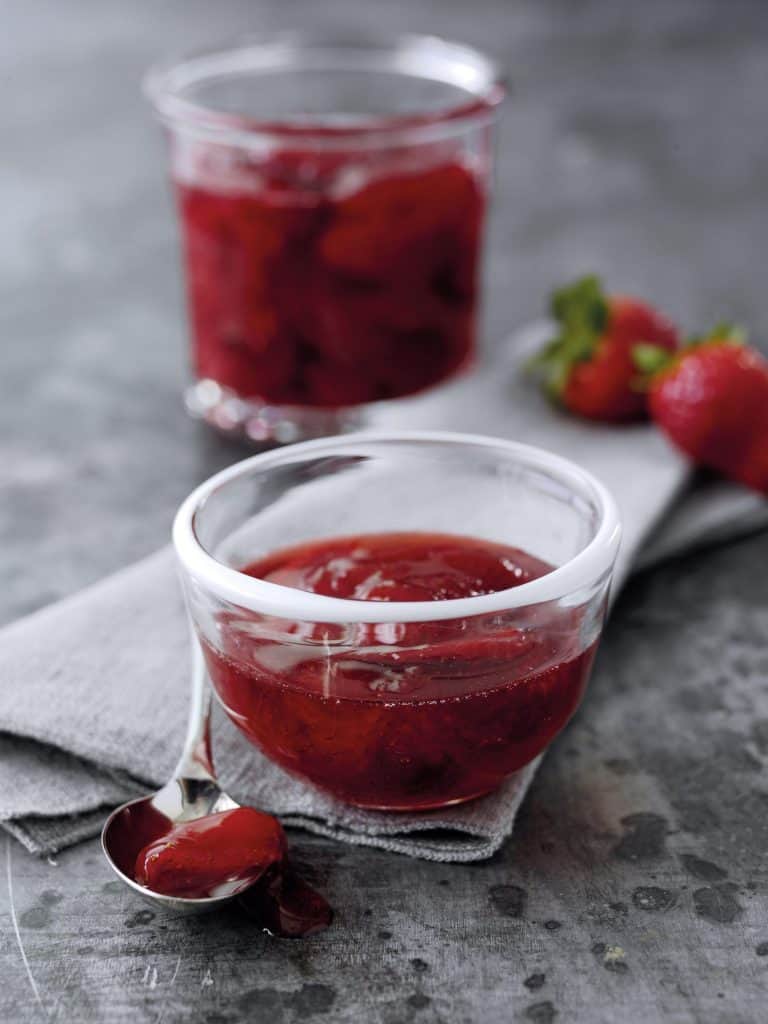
(129, 828)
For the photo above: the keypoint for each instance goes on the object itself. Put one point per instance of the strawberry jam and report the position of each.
(217, 855)
(323, 280)
(240, 852)
(402, 716)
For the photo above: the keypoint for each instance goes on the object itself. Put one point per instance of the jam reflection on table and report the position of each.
(239, 852)
(330, 280)
(400, 716)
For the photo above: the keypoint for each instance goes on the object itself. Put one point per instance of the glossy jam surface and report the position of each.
(241, 852)
(330, 281)
(401, 716)
(217, 855)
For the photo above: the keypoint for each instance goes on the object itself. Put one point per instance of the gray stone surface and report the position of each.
(635, 887)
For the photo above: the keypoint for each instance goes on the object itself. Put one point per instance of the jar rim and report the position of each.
(588, 566)
(477, 74)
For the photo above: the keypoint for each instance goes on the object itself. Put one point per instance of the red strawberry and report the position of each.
(588, 367)
(711, 400)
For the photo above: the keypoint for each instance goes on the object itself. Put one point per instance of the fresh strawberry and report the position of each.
(588, 367)
(711, 400)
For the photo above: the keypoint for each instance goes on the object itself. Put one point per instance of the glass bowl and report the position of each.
(400, 705)
(331, 194)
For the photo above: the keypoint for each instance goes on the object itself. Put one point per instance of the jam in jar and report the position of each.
(331, 283)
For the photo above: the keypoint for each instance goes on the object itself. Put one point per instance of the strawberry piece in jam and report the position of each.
(302, 291)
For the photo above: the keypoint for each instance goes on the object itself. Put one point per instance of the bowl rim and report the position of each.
(164, 84)
(586, 568)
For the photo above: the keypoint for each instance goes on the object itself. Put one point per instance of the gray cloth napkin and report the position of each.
(94, 694)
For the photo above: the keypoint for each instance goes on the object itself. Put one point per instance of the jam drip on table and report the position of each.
(312, 282)
(401, 716)
(239, 852)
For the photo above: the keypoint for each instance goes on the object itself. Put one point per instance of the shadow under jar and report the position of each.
(387, 703)
(332, 197)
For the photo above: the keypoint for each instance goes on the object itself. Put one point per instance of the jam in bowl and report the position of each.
(403, 621)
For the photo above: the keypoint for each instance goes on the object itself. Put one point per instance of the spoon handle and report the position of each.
(196, 761)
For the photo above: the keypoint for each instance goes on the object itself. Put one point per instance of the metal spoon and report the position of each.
(192, 792)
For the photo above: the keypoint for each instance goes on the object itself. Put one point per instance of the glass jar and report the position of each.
(332, 196)
(400, 704)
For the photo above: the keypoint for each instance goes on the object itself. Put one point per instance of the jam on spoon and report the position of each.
(218, 854)
(239, 852)
(190, 848)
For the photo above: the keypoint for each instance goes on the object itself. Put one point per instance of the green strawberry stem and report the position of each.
(652, 359)
(581, 312)
(725, 332)
(649, 359)
(581, 306)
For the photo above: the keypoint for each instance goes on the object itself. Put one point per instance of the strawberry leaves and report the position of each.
(649, 359)
(581, 307)
(652, 359)
(726, 333)
(581, 312)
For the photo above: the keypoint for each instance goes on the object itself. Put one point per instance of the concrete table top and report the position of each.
(635, 887)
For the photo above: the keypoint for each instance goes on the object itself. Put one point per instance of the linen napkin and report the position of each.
(94, 688)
